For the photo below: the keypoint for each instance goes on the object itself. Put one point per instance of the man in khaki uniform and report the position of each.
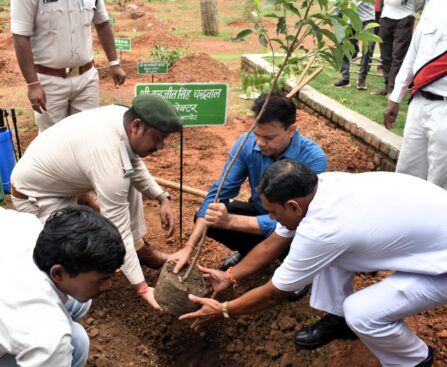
(100, 149)
(53, 42)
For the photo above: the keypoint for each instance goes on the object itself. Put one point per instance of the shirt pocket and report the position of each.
(430, 37)
(50, 15)
(88, 12)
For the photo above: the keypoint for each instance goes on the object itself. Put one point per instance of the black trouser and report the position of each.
(236, 240)
(396, 35)
(364, 63)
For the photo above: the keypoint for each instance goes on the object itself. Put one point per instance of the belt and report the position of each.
(65, 72)
(18, 194)
(431, 96)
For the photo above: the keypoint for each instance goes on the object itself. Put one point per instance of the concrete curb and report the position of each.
(377, 140)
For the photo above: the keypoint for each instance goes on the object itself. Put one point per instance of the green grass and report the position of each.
(362, 102)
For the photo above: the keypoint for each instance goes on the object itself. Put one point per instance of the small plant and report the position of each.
(253, 84)
(161, 53)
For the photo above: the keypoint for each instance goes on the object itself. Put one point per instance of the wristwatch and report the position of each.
(114, 63)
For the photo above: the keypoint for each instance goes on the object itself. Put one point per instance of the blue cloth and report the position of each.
(252, 163)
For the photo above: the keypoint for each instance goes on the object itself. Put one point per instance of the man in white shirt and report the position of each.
(101, 149)
(53, 43)
(396, 28)
(49, 277)
(339, 224)
(424, 146)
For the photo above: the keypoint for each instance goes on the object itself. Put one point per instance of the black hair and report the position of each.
(81, 240)
(131, 115)
(279, 107)
(285, 180)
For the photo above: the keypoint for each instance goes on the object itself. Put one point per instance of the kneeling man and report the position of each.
(339, 224)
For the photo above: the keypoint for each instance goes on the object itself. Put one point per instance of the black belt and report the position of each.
(431, 96)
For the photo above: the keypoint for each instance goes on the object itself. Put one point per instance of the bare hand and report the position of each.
(150, 299)
(167, 217)
(37, 97)
(210, 312)
(218, 279)
(217, 216)
(180, 258)
(390, 114)
(118, 75)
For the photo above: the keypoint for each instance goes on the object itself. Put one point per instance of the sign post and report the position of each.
(198, 104)
(123, 44)
(152, 67)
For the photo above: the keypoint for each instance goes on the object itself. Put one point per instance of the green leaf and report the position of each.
(323, 4)
(281, 26)
(326, 32)
(339, 29)
(368, 37)
(271, 15)
(242, 34)
(269, 3)
(277, 40)
(354, 19)
(263, 40)
(371, 25)
(290, 7)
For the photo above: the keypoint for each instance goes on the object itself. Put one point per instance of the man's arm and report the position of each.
(105, 36)
(260, 256)
(253, 301)
(24, 54)
(217, 216)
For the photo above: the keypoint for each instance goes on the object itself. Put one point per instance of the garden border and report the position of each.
(375, 139)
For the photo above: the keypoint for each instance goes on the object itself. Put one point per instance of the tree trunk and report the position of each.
(208, 10)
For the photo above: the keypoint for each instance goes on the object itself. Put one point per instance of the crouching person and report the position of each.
(47, 285)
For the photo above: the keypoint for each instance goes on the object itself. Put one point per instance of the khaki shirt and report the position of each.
(60, 30)
(85, 151)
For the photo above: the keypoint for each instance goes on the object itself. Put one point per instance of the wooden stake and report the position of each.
(307, 80)
(176, 186)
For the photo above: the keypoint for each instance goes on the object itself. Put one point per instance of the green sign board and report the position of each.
(198, 104)
(112, 20)
(122, 44)
(152, 67)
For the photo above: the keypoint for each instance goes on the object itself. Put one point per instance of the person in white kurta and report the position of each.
(424, 146)
(100, 149)
(345, 223)
(38, 312)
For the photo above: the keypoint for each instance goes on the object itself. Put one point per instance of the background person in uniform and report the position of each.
(339, 224)
(53, 43)
(396, 29)
(424, 146)
(41, 302)
(242, 225)
(100, 149)
(367, 15)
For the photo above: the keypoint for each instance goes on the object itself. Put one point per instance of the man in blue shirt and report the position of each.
(242, 225)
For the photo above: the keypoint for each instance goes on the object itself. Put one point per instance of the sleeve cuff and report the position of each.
(22, 29)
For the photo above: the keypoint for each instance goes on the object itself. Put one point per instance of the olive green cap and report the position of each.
(156, 112)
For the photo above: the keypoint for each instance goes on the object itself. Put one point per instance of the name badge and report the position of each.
(49, 1)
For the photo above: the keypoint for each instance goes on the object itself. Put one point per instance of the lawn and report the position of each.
(361, 101)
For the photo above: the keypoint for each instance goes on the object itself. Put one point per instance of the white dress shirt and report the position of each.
(35, 326)
(368, 222)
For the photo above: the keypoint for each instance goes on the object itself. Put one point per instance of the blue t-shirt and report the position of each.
(252, 163)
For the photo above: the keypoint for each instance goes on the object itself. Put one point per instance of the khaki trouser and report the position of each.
(67, 96)
(43, 207)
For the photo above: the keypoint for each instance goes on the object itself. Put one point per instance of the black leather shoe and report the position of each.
(427, 362)
(300, 293)
(231, 260)
(329, 328)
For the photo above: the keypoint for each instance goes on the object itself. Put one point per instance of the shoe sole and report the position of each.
(315, 345)
(341, 86)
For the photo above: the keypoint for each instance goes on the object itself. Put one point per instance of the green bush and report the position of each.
(161, 53)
